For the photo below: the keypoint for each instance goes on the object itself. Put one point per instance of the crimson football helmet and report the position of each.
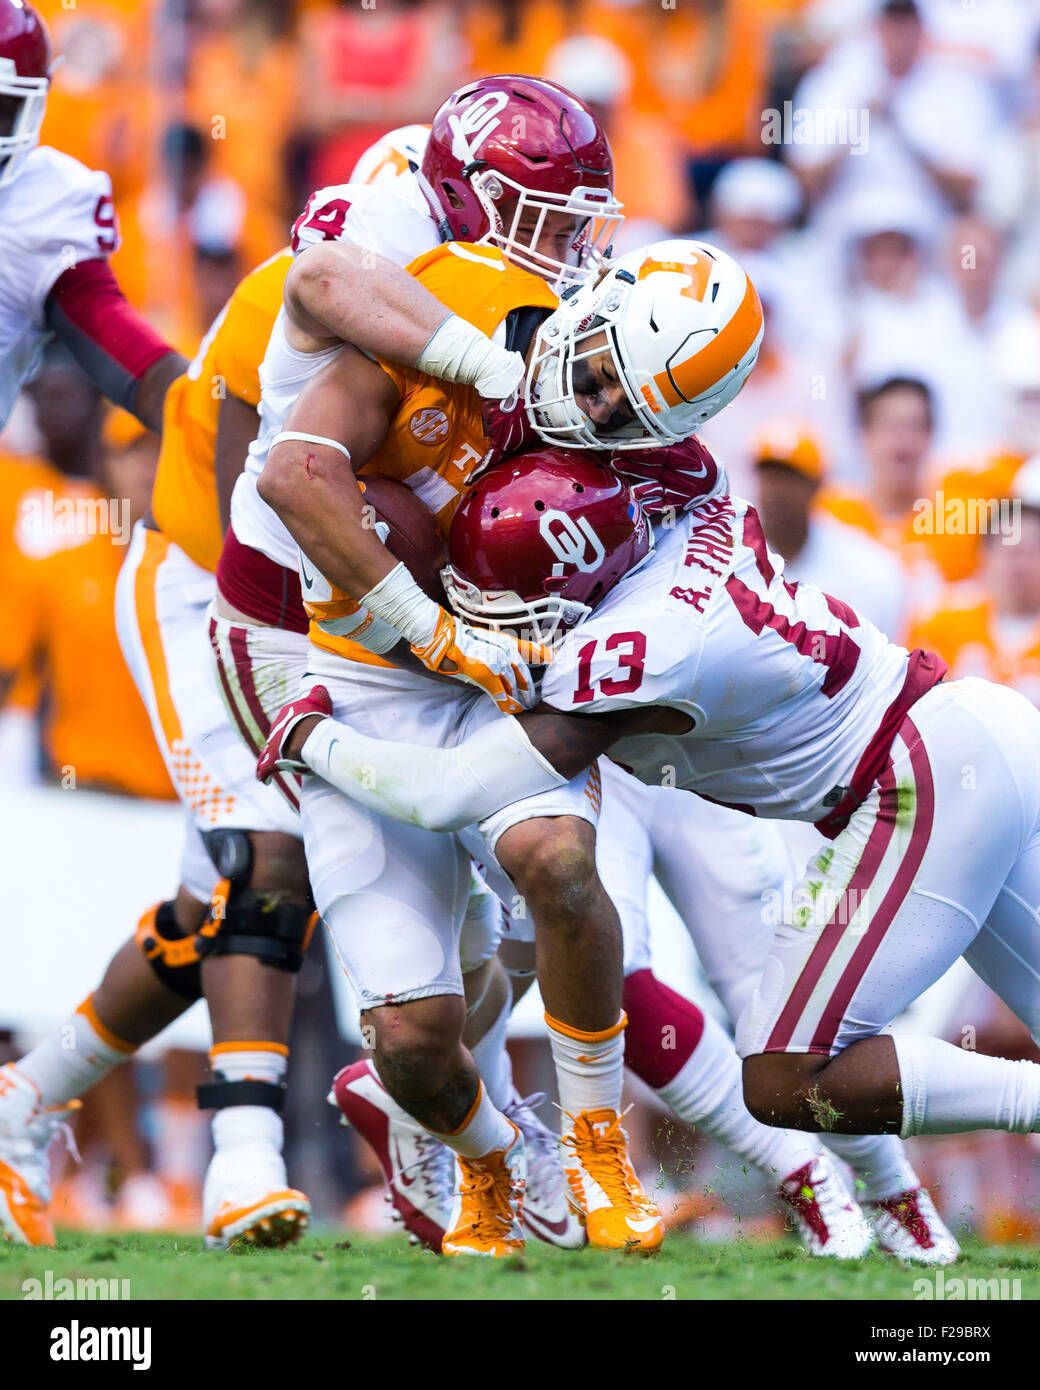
(506, 152)
(25, 68)
(539, 540)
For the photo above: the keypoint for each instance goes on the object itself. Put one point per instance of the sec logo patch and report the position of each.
(429, 426)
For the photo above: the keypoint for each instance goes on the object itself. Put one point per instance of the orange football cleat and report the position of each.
(618, 1213)
(488, 1211)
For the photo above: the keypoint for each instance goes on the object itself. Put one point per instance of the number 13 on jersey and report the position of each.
(629, 652)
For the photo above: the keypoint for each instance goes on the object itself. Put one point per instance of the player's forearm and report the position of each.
(125, 358)
(435, 788)
(150, 395)
(313, 489)
(350, 293)
(237, 424)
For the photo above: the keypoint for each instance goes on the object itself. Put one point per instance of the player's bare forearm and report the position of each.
(151, 389)
(237, 424)
(313, 487)
(340, 291)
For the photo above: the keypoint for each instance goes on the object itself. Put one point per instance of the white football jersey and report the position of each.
(53, 215)
(377, 218)
(786, 685)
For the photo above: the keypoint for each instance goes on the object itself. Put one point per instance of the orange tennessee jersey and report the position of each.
(436, 438)
(97, 730)
(184, 498)
(968, 633)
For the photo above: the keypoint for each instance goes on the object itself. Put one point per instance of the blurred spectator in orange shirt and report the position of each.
(649, 177)
(518, 35)
(364, 71)
(242, 92)
(60, 611)
(991, 626)
(98, 104)
(186, 241)
(702, 66)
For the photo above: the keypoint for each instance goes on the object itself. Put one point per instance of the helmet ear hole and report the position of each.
(495, 511)
(579, 487)
(539, 505)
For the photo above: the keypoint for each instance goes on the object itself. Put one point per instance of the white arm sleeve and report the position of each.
(436, 788)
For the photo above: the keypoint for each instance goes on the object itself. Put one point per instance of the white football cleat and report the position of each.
(419, 1170)
(828, 1220)
(909, 1227)
(26, 1132)
(246, 1198)
(547, 1212)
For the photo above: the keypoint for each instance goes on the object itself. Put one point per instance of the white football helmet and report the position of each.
(397, 152)
(682, 323)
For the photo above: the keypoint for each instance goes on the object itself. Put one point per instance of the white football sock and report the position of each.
(483, 1130)
(247, 1062)
(708, 1092)
(74, 1057)
(879, 1162)
(590, 1067)
(491, 1058)
(947, 1089)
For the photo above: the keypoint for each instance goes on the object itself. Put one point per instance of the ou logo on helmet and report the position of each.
(475, 123)
(572, 542)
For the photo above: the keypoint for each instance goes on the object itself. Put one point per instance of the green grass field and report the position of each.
(329, 1268)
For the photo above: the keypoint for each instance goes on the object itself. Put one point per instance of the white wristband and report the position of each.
(399, 601)
(460, 352)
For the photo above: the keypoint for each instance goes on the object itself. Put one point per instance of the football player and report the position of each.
(704, 664)
(338, 425)
(59, 227)
(719, 870)
(261, 900)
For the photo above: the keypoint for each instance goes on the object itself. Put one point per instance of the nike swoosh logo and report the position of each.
(308, 580)
(558, 1228)
(399, 1168)
(645, 1223)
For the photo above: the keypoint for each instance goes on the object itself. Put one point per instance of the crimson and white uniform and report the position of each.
(54, 215)
(58, 228)
(803, 711)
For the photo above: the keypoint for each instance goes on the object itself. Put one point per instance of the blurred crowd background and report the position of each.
(874, 165)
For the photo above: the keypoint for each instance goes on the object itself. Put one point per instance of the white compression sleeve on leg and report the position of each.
(460, 352)
(436, 788)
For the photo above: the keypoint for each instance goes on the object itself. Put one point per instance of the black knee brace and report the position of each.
(173, 955)
(242, 922)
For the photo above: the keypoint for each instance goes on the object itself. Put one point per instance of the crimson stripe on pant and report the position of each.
(238, 639)
(924, 790)
(862, 878)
